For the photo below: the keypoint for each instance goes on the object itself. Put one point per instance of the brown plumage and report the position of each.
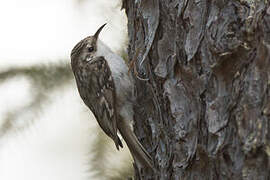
(106, 88)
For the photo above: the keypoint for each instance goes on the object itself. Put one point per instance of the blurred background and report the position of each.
(46, 132)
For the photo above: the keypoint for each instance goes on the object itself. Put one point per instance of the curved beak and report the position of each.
(99, 30)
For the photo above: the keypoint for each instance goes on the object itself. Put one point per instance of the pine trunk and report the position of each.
(202, 71)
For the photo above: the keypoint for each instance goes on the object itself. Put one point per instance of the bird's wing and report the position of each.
(103, 91)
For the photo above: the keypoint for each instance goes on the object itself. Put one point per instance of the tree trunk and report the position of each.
(202, 71)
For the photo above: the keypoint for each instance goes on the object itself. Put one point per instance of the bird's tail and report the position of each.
(138, 152)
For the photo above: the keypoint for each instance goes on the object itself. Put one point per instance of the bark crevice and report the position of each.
(203, 111)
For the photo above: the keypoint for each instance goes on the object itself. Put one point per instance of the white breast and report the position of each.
(117, 65)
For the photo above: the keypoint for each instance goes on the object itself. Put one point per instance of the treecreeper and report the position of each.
(106, 88)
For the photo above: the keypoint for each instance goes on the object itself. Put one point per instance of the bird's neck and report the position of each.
(103, 49)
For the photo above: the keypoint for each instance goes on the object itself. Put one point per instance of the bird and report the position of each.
(106, 88)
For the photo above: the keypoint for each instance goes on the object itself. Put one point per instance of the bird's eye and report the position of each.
(90, 49)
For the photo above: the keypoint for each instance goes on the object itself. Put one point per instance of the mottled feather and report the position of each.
(94, 79)
(106, 88)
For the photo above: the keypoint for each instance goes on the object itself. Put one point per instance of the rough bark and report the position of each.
(202, 73)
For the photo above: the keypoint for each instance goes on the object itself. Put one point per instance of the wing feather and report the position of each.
(99, 95)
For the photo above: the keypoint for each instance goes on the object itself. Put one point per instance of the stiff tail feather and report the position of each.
(137, 150)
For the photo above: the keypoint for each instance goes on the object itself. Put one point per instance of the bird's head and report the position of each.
(86, 49)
